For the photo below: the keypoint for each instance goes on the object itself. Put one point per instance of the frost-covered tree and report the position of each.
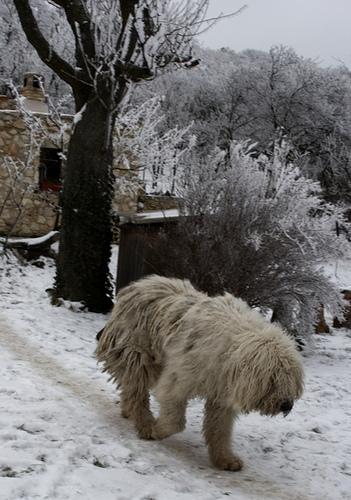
(256, 95)
(146, 155)
(212, 97)
(334, 169)
(113, 44)
(256, 227)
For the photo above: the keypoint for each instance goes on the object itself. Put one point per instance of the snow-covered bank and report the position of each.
(62, 436)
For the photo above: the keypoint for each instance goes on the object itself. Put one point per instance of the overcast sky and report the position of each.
(314, 28)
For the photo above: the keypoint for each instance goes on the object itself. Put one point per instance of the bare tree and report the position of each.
(115, 44)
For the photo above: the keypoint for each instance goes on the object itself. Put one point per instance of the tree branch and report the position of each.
(78, 16)
(132, 71)
(127, 11)
(46, 53)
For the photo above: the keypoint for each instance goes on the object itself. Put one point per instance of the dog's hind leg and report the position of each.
(217, 430)
(125, 404)
(136, 405)
(139, 374)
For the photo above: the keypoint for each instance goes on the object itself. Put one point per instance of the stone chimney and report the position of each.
(32, 90)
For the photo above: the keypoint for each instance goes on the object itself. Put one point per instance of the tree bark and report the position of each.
(86, 236)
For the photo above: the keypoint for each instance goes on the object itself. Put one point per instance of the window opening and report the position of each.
(50, 169)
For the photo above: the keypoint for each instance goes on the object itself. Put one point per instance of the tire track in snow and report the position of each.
(49, 368)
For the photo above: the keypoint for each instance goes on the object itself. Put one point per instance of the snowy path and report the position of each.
(61, 435)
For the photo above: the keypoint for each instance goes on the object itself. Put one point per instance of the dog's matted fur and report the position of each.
(165, 335)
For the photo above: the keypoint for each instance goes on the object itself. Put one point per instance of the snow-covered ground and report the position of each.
(62, 437)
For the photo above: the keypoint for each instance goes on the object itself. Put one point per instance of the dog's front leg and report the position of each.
(217, 430)
(171, 418)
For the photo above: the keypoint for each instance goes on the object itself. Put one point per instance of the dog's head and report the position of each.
(269, 376)
(283, 389)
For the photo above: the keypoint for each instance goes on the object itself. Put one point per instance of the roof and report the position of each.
(152, 217)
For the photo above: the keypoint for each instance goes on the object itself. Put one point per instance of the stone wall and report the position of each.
(7, 103)
(25, 210)
(147, 203)
(127, 186)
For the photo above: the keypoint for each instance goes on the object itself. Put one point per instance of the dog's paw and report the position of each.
(146, 433)
(159, 433)
(145, 429)
(230, 462)
(125, 413)
(163, 429)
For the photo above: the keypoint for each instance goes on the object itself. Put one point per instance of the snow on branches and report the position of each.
(255, 226)
(149, 155)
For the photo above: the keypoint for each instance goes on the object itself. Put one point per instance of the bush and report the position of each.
(254, 226)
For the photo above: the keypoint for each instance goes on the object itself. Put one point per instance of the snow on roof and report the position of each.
(151, 217)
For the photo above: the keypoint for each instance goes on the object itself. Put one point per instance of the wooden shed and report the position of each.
(138, 234)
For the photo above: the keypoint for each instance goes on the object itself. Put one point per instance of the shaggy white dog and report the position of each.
(165, 335)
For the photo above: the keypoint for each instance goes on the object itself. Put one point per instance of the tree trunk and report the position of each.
(85, 240)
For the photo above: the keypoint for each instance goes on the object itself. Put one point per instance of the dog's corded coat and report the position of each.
(166, 336)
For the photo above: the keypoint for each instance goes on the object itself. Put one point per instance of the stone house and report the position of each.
(32, 149)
